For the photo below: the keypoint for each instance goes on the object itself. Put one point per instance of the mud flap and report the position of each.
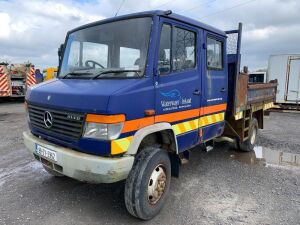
(175, 164)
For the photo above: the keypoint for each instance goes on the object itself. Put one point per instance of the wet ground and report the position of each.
(218, 187)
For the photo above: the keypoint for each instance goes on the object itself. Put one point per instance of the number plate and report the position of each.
(17, 83)
(45, 152)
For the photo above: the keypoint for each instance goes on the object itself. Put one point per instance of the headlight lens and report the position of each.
(102, 131)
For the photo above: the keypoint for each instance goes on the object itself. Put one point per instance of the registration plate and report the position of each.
(17, 83)
(45, 152)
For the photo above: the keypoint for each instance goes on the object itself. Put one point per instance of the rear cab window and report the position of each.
(214, 53)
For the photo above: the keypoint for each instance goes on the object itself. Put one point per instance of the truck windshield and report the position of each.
(111, 50)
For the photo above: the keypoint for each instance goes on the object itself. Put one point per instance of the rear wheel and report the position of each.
(249, 144)
(148, 183)
(53, 172)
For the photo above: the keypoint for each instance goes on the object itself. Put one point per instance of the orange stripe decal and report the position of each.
(105, 119)
(176, 116)
(213, 109)
(133, 125)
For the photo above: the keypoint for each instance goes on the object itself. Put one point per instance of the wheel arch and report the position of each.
(162, 130)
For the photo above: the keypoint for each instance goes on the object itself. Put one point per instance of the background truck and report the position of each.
(286, 69)
(134, 93)
(15, 79)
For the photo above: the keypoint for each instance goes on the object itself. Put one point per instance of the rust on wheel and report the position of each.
(156, 184)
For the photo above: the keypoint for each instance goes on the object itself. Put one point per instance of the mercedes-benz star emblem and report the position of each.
(48, 120)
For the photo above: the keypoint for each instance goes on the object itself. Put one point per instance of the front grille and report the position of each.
(64, 123)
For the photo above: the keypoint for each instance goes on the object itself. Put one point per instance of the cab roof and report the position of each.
(167, 14)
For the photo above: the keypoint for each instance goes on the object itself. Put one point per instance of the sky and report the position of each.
(32, 30)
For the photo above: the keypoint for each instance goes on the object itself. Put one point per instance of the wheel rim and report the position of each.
(253, 136)
(156, 184)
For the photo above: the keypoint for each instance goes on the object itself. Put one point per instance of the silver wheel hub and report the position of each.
(156, 184)
(253, 136)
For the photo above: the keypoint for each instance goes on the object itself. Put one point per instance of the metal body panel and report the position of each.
(286, 69)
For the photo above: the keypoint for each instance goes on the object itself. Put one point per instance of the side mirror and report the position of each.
(59, 53)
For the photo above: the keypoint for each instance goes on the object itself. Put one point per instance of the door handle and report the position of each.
(223, 90)
(196, 92)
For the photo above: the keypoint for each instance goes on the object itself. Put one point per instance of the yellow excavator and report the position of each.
(50, 73)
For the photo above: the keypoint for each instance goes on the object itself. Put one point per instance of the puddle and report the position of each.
(267, 157)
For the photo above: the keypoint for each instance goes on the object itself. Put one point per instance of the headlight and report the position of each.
(103, 131)
(103, 127)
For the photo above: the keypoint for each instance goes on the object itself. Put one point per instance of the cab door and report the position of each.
(177, 80)
(214, 86)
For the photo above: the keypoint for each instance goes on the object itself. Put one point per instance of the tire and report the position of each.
(151, 164)
(248, 145)
(53, 172)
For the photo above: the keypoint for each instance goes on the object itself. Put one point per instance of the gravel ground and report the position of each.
(282, 131)
(214, 188)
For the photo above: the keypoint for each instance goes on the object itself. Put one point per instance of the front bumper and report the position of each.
(82, 166)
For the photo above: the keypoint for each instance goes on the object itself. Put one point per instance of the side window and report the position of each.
(164, 54)
(184, 56)
(214, 54)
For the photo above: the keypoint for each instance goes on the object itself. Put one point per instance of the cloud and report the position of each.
(32, 30)
(4, 25)
(260, 34)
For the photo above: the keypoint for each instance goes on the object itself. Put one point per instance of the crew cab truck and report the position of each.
(133, 94)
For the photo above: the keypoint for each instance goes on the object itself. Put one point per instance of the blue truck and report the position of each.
(133, 94)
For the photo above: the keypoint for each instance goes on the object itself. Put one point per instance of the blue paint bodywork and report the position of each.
(133, 96)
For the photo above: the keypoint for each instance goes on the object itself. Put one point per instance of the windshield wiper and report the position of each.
(115, 71)
(76, 74)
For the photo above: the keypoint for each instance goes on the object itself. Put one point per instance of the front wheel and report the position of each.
(249, 144)
(148, 183)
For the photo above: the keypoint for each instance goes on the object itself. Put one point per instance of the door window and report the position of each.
(164, 54)
(182, 52)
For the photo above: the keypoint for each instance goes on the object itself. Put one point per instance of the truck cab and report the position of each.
(133, 94)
